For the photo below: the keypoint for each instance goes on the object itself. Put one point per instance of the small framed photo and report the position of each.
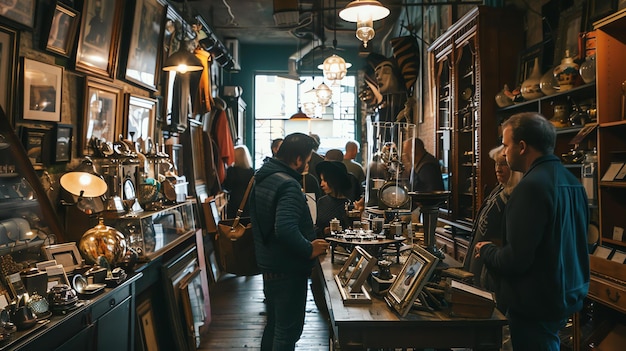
(16, 285)
(147, 327)
(140, 115)
(62, 30)
(619, 256)
(42, 91)
(603, 252)
(415, 273)
(62, 143)
(33, 140)
(19, 11)
(66, 255)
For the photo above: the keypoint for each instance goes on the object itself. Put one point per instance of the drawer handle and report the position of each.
(112, 302)
(608, 294)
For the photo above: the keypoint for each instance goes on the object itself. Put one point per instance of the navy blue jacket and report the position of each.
(544, 263)
(281, 221)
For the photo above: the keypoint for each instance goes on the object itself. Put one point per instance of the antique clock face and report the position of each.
(393, 195)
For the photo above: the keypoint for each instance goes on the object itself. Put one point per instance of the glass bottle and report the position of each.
(588, 69)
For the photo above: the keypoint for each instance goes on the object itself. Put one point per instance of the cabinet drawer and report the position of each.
(608, 293)
(109, 302)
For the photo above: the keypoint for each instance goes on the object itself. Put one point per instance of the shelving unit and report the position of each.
(470, 63)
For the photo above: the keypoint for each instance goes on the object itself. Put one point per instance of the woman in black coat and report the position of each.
(236, 181)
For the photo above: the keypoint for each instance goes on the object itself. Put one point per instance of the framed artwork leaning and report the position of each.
(415, 273)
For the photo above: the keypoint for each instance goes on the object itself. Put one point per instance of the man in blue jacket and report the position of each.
(544, 263)
(285, 240)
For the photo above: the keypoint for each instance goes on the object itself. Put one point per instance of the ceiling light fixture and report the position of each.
(183, 60)
(364, 13)
(324, 95)
(334, 66)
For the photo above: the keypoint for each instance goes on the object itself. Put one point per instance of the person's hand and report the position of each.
(478, 246)
(360, 204)
(319, 247)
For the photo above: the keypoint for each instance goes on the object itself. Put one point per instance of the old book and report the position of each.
(468, 301)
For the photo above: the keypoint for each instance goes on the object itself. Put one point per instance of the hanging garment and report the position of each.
(220, 132)
(202, 100)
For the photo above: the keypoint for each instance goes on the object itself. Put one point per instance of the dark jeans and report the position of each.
(285, 299)
(531, 335)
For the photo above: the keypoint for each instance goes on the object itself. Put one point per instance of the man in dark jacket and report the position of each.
(285, 240)
(544, 263)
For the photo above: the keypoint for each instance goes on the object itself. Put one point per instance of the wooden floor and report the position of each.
(238, 319)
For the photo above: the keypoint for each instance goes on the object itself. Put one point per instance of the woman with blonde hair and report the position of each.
(236, 181)
(488, 222)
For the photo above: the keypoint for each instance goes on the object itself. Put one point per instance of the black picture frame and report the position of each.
(9, 50)
(526, 61)
(62, 28)
(193, 304)
(42, 90)
(599, 9)
(34, 140)
(62, 143)
(570, 27)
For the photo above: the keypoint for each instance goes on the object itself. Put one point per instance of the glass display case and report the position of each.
(147, 232)
(27, 218)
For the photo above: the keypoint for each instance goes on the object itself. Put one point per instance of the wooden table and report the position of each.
(358, 327)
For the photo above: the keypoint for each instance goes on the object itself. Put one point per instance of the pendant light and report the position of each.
(324, 95)
(364, 13)
(183, 60)
(334, 66)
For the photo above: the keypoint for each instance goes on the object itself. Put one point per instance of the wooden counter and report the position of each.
(378, 326)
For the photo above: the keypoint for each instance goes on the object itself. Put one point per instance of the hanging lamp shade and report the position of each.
(371, 9)
(309, 102)
(324, 95)
(182, 61)
(299, 115)
(364, 13)
(334, 67)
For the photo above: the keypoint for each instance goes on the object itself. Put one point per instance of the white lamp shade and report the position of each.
(324, 95)
(335, 68)
(83, 184)
(371, 9)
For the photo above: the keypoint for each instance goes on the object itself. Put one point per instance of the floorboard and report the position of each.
(237, 313)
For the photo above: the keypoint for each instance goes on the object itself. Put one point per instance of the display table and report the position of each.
(376, 325)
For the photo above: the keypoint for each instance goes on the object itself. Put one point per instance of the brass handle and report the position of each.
(615, 299)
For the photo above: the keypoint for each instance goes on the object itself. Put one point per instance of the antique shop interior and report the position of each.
(119, 122)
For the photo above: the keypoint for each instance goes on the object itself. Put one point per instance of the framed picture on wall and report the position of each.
(144, 51)
(33, 140)
(42, 90)
(139, 116)
(570, 26)
(98, 40)
(102, 103)
(62, 143)
(8, 68)
(62, 30)
(19, 11)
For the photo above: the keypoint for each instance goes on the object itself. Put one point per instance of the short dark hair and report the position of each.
(534, 129)
(296, 145)
(276, 142)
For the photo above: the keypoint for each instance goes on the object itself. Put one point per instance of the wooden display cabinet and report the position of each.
(470, 63)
